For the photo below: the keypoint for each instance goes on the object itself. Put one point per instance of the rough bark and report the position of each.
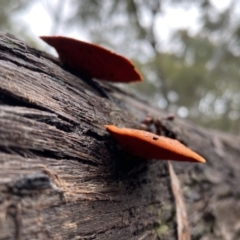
(63, 177)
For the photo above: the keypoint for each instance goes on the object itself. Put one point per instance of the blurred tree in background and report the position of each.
(8, 10)
(194, 75)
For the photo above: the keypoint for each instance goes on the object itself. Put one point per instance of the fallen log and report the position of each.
(63, 177)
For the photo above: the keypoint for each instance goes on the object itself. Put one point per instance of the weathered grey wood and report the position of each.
(63, 177)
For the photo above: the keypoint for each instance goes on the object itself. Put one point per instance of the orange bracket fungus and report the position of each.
(92, 60)
(148, 145)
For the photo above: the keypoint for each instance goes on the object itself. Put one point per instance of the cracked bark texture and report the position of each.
(63, 177)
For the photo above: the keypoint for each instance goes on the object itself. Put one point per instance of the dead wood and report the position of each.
(63, 177)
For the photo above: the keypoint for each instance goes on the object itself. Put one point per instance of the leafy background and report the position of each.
(192, 71)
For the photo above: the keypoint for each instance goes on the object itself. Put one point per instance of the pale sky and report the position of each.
(39, 21)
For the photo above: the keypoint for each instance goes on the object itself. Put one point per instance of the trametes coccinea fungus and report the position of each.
(148, 145)
(92, 60)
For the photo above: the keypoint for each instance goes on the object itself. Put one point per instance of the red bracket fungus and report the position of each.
(93, 60)
(148, 145)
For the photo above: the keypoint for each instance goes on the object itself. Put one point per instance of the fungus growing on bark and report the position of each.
(148, 145)
(92, 60)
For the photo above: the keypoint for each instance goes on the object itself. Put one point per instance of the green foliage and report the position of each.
(210, 95)
(10, 11)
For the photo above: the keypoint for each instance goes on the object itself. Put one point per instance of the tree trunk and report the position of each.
(63, 177)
